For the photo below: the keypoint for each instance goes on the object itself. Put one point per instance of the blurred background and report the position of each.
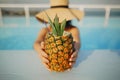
(79, 2)
(99, 34)
(71, 1)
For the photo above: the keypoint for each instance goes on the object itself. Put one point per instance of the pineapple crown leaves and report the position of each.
(57, 28)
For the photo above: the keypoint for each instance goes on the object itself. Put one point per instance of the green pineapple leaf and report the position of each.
(52, 25)
(63, 24)
(57, 28)
(56, 23)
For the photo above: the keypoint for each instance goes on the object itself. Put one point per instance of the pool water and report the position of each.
(15, 35)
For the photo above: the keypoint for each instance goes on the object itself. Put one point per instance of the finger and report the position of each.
(74, 54)
(44, 54)
(42, 45)
(45, 60)
(46, 65)
(72, 63)
(73, 59)
(71, 51)
(40, 55)
(49, 69)
(69, 69)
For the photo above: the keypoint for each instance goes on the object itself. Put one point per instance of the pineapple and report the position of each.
(58, 45)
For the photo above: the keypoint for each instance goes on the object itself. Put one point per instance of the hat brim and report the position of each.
(62, 13)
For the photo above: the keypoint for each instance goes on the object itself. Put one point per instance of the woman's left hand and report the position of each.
(73, 58)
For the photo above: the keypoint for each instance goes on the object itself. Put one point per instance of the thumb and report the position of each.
(42, 45)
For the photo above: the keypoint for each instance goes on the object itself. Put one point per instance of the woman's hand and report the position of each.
(73, 58)
(45, 61)
(74, 55)
(43, 56)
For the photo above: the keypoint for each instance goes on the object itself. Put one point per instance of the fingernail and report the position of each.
(48, 69)
(70, 64)
(68, 69)
(72, 56)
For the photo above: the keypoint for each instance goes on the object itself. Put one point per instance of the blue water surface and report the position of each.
(15, 35)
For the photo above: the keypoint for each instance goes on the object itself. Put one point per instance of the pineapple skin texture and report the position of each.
(58, 49)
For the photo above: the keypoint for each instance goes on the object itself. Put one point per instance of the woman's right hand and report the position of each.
(43, 56)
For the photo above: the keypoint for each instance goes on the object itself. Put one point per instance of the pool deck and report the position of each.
(90, 65)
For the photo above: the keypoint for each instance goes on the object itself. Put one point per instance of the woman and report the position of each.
(59, 7)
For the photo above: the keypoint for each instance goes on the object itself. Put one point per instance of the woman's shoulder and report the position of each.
(47, 29)
(74, 29)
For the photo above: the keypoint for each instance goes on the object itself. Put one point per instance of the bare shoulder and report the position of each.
(44, 29)
(74, 30)
(42, 33)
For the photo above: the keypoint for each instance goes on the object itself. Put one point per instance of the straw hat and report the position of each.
(60, 7)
